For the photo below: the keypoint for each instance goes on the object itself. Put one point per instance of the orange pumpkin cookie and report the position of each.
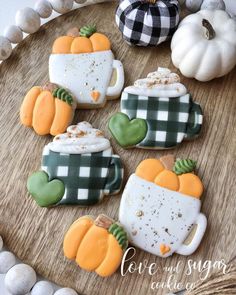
(48, 109)
(96, 245)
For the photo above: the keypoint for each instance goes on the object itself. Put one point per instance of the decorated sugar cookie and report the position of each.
(78, 168)
(48, 109)
(160, 207)
(156, 113)
(83, 62)
(96, 245)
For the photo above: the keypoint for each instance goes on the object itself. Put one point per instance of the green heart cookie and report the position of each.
(45, 193)
(127, 132)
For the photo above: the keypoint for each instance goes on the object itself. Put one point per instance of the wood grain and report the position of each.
(36, 234)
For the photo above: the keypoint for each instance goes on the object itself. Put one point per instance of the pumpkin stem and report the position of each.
(49, 87)
(210, 32)
(73, 32)
(103, 221)
(151, 1)
(168, 161)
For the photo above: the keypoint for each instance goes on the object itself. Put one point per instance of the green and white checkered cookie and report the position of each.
(78, 168)
(157, 112)
(87, 177)
(169, 120)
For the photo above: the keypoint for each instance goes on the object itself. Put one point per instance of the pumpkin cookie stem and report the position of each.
(103, 221)
(151, 1)
(50, 87)
(168, 161)
(73, 32)
(210, 32)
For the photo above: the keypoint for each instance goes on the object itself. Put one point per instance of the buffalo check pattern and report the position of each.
(147, 24)
(169, 120)
(87, 177)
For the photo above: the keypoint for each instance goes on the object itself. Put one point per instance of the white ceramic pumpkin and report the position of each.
(204, 45)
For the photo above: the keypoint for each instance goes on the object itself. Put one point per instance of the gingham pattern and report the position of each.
(87, 177)
(146, 24)
(169, 120)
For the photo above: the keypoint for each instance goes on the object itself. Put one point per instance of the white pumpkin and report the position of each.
(204, 45)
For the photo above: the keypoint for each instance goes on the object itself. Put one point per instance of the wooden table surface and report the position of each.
(36, 234)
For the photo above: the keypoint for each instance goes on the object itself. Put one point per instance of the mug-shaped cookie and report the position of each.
(160, 208)
(82, 163)
(84, 63)
(156, 113)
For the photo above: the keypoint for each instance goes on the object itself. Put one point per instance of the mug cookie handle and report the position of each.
(201, 228)
(195, 121)
(115, 176)
(115, 90)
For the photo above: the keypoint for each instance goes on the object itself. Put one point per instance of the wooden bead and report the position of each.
(5, 48)
(1, 243)
(20, 279)
(7, 260)
(28, 20)
(13, 34)
(42, 288)
(62, 6)
(43, 8)
(66, 291)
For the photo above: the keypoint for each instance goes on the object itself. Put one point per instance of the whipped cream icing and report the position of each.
(80, 139)
(161, 83)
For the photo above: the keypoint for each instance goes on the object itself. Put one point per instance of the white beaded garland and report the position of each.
(20, 279)
(62, 6)
(66, 291)
(1, 243)
(7, 260)
(42, 288)
(5, 48)
(13, 34)
(43, 8)
(28, 20)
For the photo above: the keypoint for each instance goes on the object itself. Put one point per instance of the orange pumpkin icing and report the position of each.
(81, 45)
(148, 169)
(153, 170)
(62, 45)
(93, 247)
(76, 45)
(190, 184)
(45, 113)
(167, 179)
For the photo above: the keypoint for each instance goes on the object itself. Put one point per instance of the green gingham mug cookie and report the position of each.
(82, 164)
(156, 113)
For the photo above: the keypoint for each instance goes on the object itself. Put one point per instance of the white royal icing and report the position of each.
(153, 215)
(84, 73)
(80, 139)
(161, 83)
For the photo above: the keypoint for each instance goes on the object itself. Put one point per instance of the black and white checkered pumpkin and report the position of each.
(144, 23)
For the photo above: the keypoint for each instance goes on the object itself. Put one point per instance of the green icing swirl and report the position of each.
(184, 166)
(118, 232)
(87, 31)
(64, 95)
